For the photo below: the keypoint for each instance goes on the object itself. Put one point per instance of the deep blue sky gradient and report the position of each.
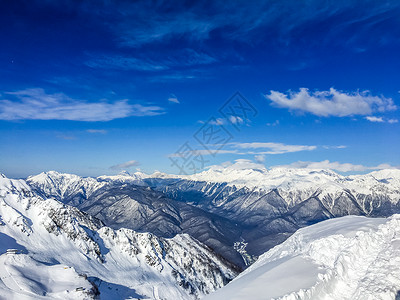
(149, 51)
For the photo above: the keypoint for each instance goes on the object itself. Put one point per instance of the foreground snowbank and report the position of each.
(346, 258)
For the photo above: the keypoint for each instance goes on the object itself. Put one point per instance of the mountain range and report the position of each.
(163, 236)
(53, 250)
(238, 210)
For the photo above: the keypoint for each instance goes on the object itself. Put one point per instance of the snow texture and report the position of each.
(61, 252)
(345, 258)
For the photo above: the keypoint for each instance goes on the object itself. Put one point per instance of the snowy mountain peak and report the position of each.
(124, 173)
(61, 185)
(123, 263)
(123, 177)
(298, 183)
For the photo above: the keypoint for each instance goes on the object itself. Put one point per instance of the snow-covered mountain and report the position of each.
(61, 186)
(269, 205)
(52, 250)
(126, 201)
(240, 210)
(350, 257)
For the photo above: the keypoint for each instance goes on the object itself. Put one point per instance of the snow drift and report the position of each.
(345, 258)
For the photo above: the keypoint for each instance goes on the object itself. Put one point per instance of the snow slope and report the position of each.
(25, 278)
(124, 201)
(122, 263)
(345, 258)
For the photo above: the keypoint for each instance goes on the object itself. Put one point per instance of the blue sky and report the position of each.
(96, 87)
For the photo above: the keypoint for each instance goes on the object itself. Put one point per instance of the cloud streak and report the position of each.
(36, 104)
(173, 99)
(97, 131)
(203, 152)
(124, 63)
(125, 165)
(273, 148)
(341, 167)
(259, 150)
(151, 62)
(139, 23)
(374, 119)
(381, 120)
(331, 102)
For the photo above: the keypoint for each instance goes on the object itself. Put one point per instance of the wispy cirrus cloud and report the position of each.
(125, 165)
(36, 104)
(175, 77)
(334, 147)
(341, 167)
(332, 102)
(203, 152)
(151, 62)
(137, 23)
(259, 150)
(173, 99)
(273, 148)
(119, 62)
(99, 131)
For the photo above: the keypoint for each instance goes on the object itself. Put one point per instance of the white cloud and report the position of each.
(101, 131)
(341, 167)
(260, 158)
(36, 104)
(374, 119)
(236, 120)
(218, 121)
(334, 147)
(259, 150)
(203, 152)
(173, 99)
(223, 121)
(276, 123)
(381, 120)
(275, 148)
(139, 110)
(332, 102)
(125, 165)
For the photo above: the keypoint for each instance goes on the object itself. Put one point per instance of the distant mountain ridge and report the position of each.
(124, 201)
(226, 205)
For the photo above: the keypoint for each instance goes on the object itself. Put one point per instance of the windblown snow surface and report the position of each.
(350, 257)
